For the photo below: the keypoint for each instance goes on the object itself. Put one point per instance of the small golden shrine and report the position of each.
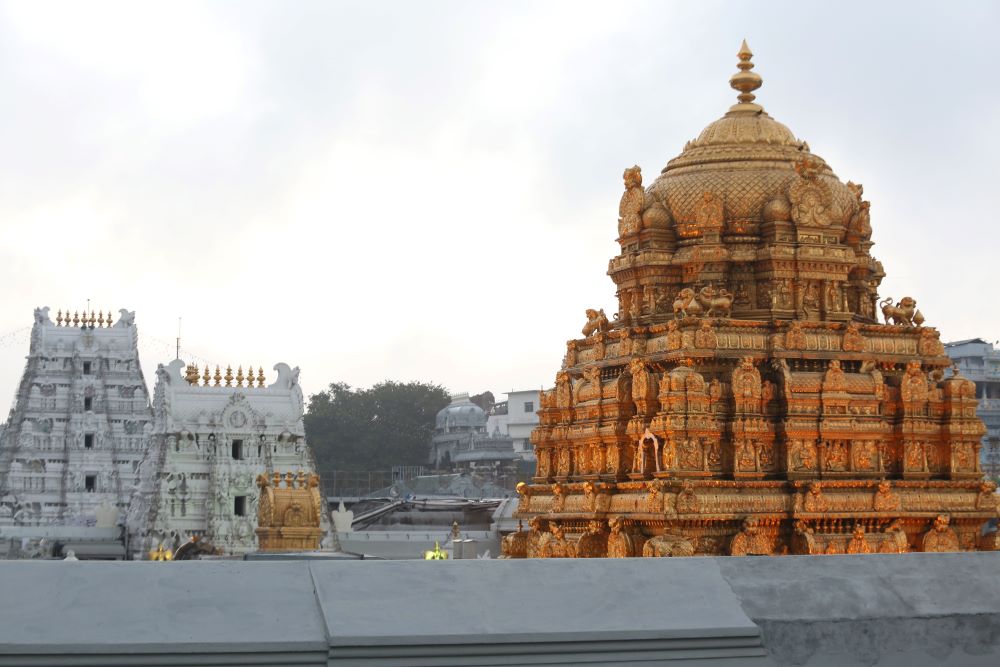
(288, 517)
(745, 399)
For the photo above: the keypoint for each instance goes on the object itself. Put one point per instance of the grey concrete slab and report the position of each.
(506, 601)
(180, 607)
(891, 610)
(886, 609)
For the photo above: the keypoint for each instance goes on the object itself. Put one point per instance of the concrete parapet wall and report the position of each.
(910, 609)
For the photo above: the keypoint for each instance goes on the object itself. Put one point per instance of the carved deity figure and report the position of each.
(940, 537)
(630, 207)
(930, 343)
(987, 498)
(710, 212)
(538, 535)
(564, 393)
(795, 338)
(833, 302)
(834, 379)
(620, 543)
(895, 541)
(914, 384)
(810, 197)
(802, 455)
(750, 541)
(861, 222)
(859, 543)
(705, 336)
(687, 500)
(814, 500)
(558, 546)
(853, 340)
(674, 338)
(746, 386)
(594, 542)
(642, 384)
(885, 500)
(558, 497)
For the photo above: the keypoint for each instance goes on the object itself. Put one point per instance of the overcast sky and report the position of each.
(429, 190)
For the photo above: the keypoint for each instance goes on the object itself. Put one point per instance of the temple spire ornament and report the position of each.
(745, 81)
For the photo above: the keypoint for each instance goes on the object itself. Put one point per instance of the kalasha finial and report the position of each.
(745, 81)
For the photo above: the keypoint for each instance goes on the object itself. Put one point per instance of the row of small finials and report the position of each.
(191, 374)
(88, 320)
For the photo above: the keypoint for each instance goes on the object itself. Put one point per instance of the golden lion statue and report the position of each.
(686, 304)
(904, 312)
(597, 322)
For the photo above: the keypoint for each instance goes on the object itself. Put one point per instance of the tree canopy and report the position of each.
(389, 424)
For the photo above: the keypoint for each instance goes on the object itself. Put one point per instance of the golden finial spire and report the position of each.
(217, 377)
(76, 318)
(207, 377)
(239, 377)
(260, 376)
(59, 319)
(100, 318)
(109, 318)
(745, 81)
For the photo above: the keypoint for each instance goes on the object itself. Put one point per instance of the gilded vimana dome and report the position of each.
(745, 399)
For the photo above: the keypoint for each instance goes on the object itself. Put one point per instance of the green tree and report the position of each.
(484, 400)
(386, 425)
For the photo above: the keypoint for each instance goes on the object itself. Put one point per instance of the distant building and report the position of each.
(980, 362)
(461, 439)
(212, 437)
(516, 417)
(76, 434)
(522, 418)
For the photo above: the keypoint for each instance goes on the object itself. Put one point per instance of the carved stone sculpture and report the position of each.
(597, 322)
(900, 314)
(940, 537)
(663, 546)
(630, 208)
(715, 303)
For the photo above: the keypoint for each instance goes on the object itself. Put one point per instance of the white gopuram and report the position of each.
(77, 432)
(209, 443)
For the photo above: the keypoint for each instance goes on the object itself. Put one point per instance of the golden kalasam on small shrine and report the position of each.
(745, 399)
(288, 517)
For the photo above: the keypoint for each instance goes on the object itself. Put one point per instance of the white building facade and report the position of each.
(516, 418)
(522, 418)
(78, 429)
(210, 441)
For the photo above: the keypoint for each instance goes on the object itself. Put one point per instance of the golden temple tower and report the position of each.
(745, 399)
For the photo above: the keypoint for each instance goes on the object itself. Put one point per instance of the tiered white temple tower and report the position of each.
(75, 436)
(212, 436)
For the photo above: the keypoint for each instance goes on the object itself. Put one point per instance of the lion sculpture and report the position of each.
(904, 312)
(597, 322)
(686, 305)
(715, 304)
